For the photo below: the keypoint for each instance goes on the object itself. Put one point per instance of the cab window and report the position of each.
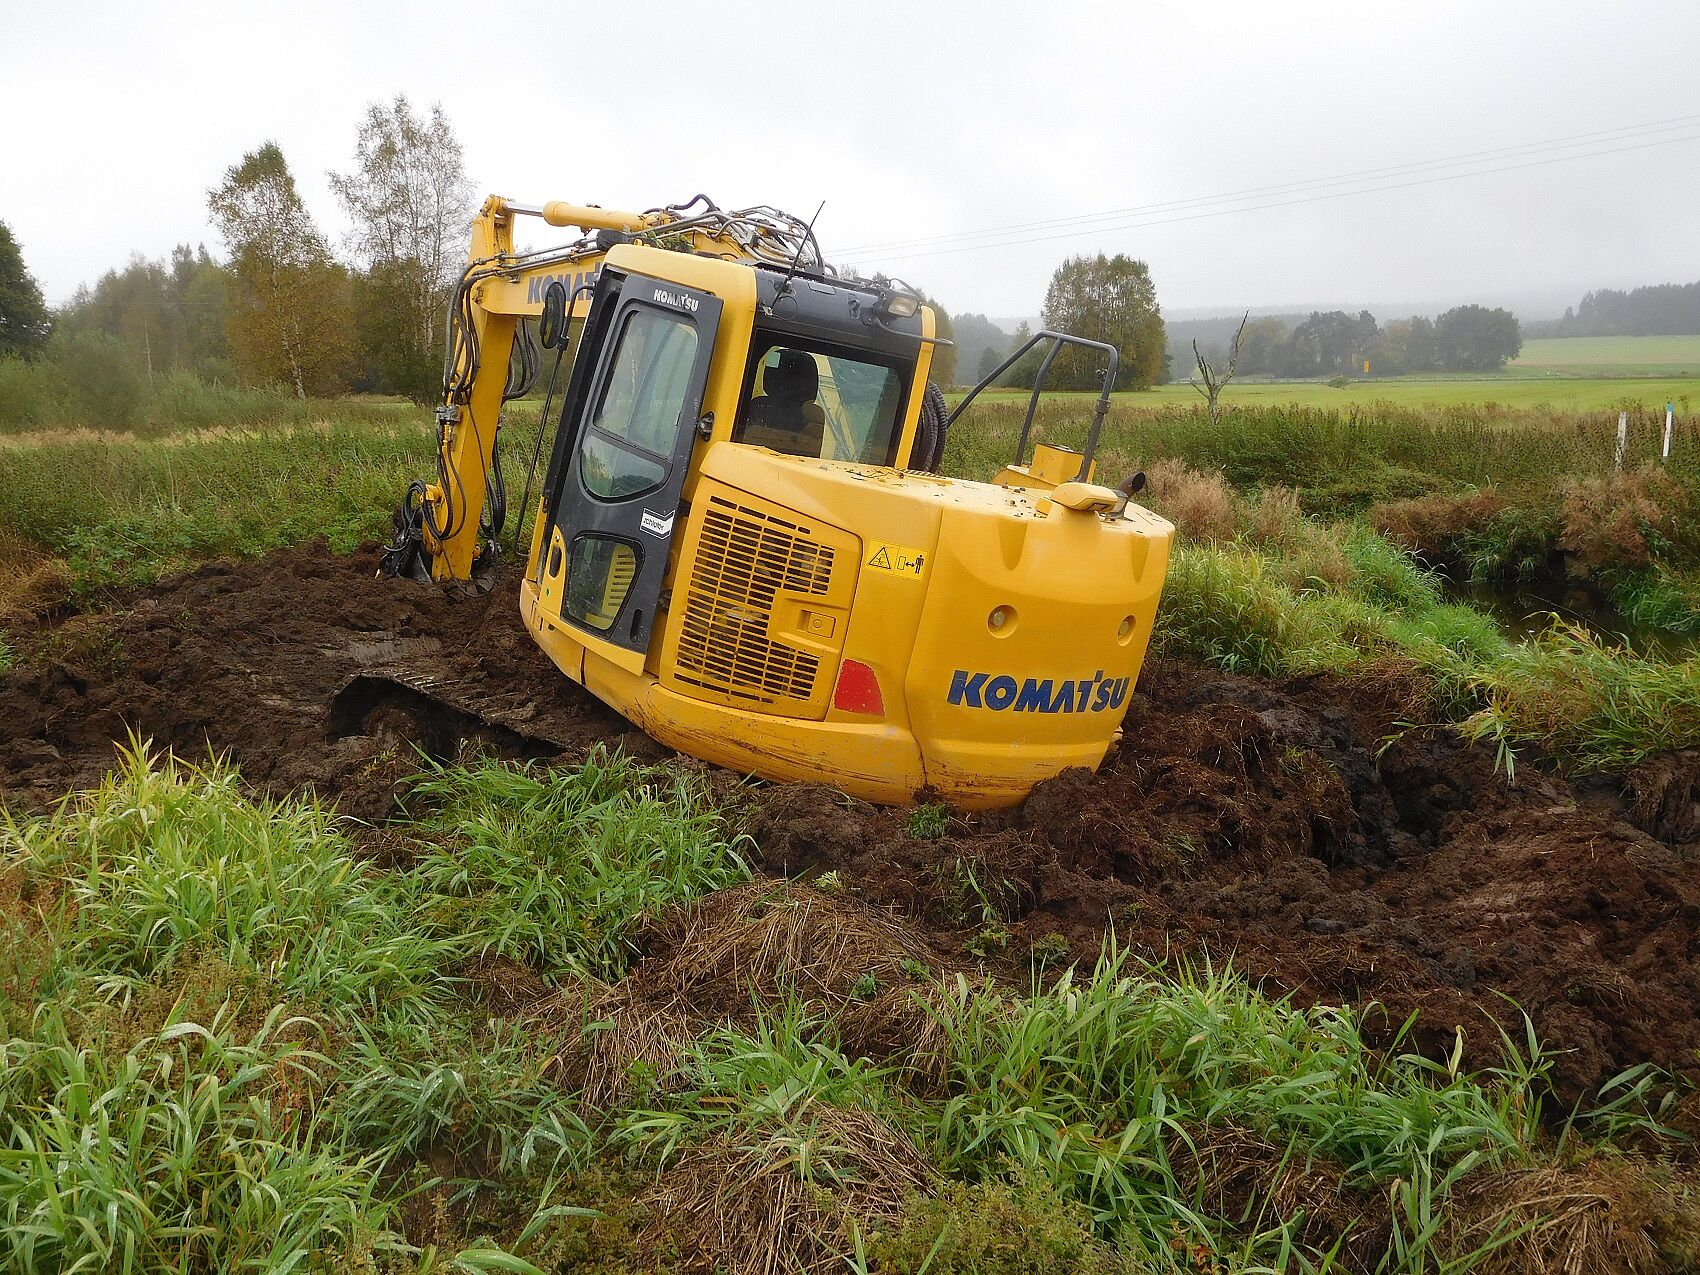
(629, 446)
(805, 399)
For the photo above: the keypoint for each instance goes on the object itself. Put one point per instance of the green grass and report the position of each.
(1518, 388)
(1652, 356)
(229, 1044)
(558, 870)
(130, 511)
(1343, 457)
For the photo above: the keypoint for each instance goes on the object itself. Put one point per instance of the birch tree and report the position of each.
(290, 319)
(411, 203)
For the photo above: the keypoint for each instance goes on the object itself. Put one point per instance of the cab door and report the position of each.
(618, 502)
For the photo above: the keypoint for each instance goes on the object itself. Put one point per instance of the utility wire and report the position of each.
(1012, 237)
(1628, 132)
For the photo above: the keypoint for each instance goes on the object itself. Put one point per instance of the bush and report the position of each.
(31, 394)
(1616, 521)
(106, 390)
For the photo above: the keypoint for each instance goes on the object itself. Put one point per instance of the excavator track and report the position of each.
(440, 712)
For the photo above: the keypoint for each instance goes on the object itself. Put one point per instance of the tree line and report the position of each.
(284, 308)
(1466, 338)
(1664, 309)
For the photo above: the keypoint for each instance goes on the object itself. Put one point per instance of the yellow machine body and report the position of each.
(819, 617)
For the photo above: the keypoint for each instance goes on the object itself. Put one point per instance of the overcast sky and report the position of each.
(914, 121)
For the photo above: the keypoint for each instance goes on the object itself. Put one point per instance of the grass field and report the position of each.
(236, 1044)
(1512, 389)
(1612, 356)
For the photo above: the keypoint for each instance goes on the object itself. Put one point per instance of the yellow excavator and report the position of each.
(741, 544)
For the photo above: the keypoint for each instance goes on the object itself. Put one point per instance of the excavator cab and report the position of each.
(738, 545)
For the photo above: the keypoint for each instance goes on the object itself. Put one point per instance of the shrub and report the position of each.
(1432, 526)
(1616, 520)
(105, 387)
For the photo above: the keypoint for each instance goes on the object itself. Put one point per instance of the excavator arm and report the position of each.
(439, 528)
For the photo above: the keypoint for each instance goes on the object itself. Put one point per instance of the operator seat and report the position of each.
(786, 417)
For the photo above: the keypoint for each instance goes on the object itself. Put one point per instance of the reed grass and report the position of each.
(229, 1045)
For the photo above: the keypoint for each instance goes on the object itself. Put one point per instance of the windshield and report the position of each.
(808, 399)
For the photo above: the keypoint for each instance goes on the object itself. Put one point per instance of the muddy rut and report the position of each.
(1268, 824)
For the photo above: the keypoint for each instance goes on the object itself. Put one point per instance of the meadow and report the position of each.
(235, 1042)
(244, 1031)
(1611, 356)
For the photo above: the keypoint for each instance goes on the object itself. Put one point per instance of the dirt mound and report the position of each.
(245, 659)
(1255, 821)
(1270, 824)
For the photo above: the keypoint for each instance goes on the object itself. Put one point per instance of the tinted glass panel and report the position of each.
(598, 578)
(630, 442)
(816, 402)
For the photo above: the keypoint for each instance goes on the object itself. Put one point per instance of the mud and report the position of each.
(245, 659)
(1268, 825)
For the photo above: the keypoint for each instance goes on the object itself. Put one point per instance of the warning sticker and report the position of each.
(901, 560)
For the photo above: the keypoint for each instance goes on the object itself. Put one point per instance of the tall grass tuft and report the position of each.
(1591, 705)
(1099, 1083)
(558, 867)
(180, 1153)
(163, 863)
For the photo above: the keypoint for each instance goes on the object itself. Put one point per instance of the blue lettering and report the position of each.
(1001, 692)
(1035, 697)
(1095, 694)
(963, 687)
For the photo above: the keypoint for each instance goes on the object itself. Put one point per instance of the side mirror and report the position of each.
(552, 327)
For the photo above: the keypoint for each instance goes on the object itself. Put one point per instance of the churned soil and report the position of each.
(1298, 830)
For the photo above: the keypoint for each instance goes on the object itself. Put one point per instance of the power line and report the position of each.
(1004, 241)
(1624, 133)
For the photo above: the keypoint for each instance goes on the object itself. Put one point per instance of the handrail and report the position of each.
(1058, 339)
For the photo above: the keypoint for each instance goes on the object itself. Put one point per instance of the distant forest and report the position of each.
(1665, 309)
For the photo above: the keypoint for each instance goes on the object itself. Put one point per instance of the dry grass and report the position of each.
(31, 581)
(1200, 504)
(1607, 520)
(1428, 525)
(729, 957)
(753, 1210)
(905, 1025)
(625, 1042)
(766, 943)
(1604, 1217)
(1248, 1179)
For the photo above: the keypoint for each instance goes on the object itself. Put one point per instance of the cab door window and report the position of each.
(629, 446)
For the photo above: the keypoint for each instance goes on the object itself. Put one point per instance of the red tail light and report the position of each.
(858, 690)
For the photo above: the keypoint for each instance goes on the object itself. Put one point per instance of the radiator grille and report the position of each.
(743, 559)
